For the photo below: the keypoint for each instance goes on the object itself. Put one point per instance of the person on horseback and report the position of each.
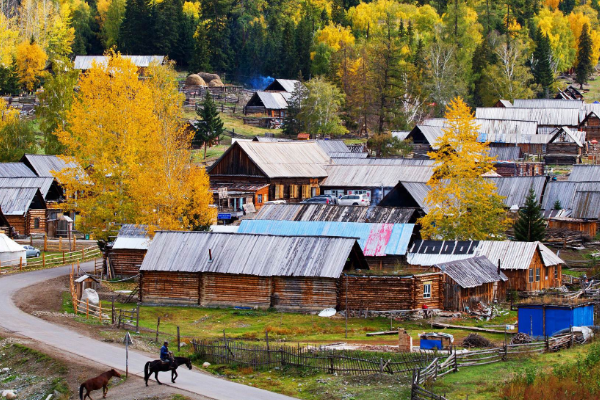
(165, 355)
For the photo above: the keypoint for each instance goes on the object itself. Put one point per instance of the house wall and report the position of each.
(169, 287)
(236, 162)
(591, 126)
(304, 294)
(525, 147)
(229, 290)
(519, 279)
(457, 298)
(290, 194)
(18, 223)
(588, 227)
(387, 263)
(126, 262)
(32, 216)
(262, 195)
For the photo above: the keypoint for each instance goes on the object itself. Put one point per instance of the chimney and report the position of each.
(210, 257)
(498, 267)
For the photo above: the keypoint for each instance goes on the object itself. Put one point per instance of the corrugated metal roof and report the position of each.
(334, 147)
(288, 84)
(586, 204)
(494, 126)
(440, 122)
(472, 272)
(564, 134)
(272, 100)
(585, 173)
(431, 133)
(287, 159)
(543, 116)
(16, 201)
(381, 161)
(85, 62)
(133, 231)
(15, 170)
(506, 153)
(548, 103)
(43, 184)
(515, 139)
(131, 243)
(515, 189)
(238, 253)
(418, 191)
(505, 103)
(43, 165)
(347, 156)
(564, 192)
(375, 175)
(375, 239)
(512, 255)
(323, 212)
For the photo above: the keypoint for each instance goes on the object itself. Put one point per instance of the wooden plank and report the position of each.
(468, 328)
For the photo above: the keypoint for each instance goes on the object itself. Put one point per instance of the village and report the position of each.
(316, 200)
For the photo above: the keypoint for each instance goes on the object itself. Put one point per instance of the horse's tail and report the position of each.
(81, 392)
(147, 371)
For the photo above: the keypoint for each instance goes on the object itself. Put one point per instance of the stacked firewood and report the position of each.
(566, 237)
(521, 338)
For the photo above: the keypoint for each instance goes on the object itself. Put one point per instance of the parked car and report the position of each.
(354, 200)
(332, 199)
(317, 200)
(31, 251)
(275, 202)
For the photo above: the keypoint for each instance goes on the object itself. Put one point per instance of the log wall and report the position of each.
(31, 217)
(126, 262)
(304, 294)
(519, 279)
(18, 223)
(228, 290)
(588, 227)
(169, 287)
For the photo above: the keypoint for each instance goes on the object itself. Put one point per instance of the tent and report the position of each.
(11, 252)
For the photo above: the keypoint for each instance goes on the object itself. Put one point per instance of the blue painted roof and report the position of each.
(374, 239)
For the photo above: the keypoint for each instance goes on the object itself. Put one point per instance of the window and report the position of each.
(530, 275)
(546, 273)
(555, 272)
(278, 192)
(294, 191)
(427, 290)
(305, 191)
(36, 223)
(537, 274)
(259, 199)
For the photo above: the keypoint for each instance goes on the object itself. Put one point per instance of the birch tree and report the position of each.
(320, 108)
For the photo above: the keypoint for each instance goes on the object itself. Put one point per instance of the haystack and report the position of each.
(208, 77)
(194, 80)
(215, 83)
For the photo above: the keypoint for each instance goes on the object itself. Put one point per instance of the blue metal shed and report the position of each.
(539, 320)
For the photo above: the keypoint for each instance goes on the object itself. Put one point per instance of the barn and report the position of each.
(127, 253)
(261, 271)
(470, 281)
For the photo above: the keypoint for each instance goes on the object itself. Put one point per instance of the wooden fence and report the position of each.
(347, 362)
(84, 307)
(53, 260)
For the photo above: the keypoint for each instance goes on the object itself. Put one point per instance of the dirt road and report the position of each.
(12, 319)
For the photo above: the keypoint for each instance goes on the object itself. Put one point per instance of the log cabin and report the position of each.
(529, 266)
(24, 209)
(470, 281)
(384, 245)
(261, 271)
(127, 253)
(566, 147)
(292, 170)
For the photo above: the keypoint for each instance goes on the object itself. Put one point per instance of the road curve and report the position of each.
(17, 321)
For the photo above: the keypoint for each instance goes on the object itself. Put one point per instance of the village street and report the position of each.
(14, 320)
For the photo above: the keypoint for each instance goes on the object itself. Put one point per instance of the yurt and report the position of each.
(11, 252)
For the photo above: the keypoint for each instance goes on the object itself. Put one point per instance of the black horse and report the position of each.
(157, 366)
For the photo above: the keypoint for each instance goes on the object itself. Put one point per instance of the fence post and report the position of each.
(157, 325)
(30, 240)
(455, 362)
(381, 365)
(78, 266)
(82, 254)
(178, 340)
(137, 321)
(45, 242)
(44, 260)
(112, 309)
(74, 243)
(268, 350)
(60, 243)
(331, 368)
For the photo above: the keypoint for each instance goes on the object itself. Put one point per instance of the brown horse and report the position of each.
(101, 381)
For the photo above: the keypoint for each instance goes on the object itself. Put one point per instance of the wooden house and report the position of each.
(586, 226)
(292, 170)
(260, 271)
(574, 104)
(570, 93)
(565, 147)
(239, 198)
(529, 266)
(272, 102)
(384, 245)
(127, 253)
(470, 281)
(579, 201)
(547, 119)
(24, 209)
(591, 126)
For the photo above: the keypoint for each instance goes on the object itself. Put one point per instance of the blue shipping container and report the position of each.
(539, 320)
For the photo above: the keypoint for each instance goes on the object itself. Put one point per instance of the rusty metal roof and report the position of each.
(249, 254)
(15, 170)
(512, 255)
(376, 240)
(324, 212)
(375, 175)
(472, 272)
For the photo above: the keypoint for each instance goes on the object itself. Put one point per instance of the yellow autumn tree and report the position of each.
(8, 41)
(462, 204)
(31, 62)
(127, 134)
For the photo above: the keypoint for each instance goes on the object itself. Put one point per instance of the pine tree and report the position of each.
(542, 66)
(566, 6)
(291, 124)
(557, 206)
(210, 126)
(530, 226)
(135, 33)
(201, 56)
(585, 64)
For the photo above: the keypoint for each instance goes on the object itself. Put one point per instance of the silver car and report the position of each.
(31, 251)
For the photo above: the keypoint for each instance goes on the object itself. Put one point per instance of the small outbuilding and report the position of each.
(540, 320)
(128, 251)
(11, 253)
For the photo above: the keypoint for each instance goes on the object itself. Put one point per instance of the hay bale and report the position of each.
(475, 340)
(208, 77)
(194, 80)
(215, 83)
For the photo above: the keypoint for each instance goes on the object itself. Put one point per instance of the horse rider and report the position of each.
(165, 355)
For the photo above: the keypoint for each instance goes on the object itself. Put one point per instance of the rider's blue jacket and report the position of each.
(164, 353)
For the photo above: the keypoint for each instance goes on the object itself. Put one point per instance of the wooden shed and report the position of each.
(259, 271)
(470, 281)
(591, 126)
(24, 209)
(127, 253)
(586, 226)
